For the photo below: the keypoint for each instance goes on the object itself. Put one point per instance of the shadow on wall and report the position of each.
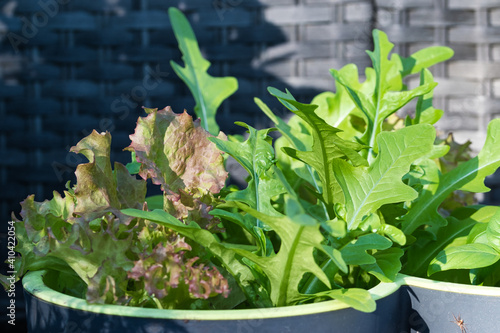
(68, 67)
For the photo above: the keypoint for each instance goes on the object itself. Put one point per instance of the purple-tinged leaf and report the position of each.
(175, 152)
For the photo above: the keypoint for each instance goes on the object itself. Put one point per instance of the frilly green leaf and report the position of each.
(468, 176)
(367, 189)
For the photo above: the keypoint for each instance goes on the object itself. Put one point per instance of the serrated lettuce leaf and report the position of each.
(208, 91)
(469, 176)
(366, 189)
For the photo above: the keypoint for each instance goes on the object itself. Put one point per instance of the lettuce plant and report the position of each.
(348, 196)
(415, 189)
(106, 255)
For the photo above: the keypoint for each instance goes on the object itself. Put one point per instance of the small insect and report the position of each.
(460, 322)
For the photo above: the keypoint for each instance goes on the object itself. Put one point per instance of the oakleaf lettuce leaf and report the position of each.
(386, 97)
(295, 257)
(468, 176)
(300, 237)
(387, 264)
(208, 91)
(256, 156)
(382, 93)
(296, 134)
(327, 146)
(366, 189)
(338, 109)
(383, 261)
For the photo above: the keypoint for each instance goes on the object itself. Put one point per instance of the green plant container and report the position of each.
(437, 306)
(51, 311)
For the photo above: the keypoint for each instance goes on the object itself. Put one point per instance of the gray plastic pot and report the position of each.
(435, 305)
(51, 311)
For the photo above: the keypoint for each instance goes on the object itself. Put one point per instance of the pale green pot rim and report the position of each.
(33, 283)
(459, 288)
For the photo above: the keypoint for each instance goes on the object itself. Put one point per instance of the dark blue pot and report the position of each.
(51, 311)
